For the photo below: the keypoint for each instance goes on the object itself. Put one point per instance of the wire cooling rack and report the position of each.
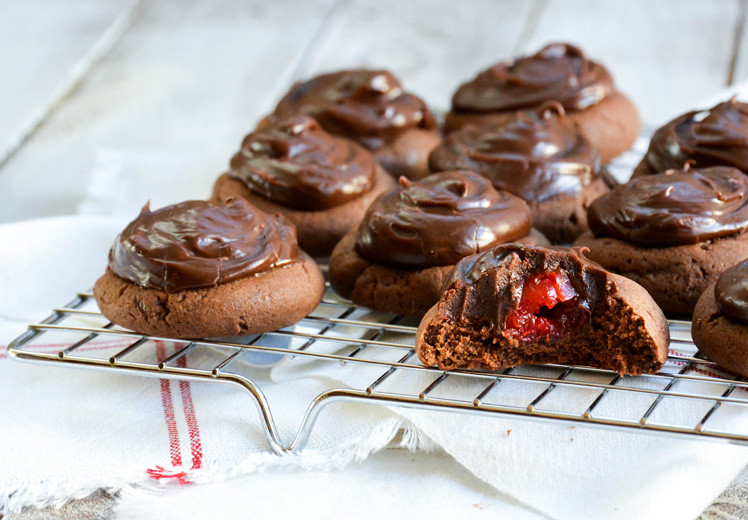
(371, 356)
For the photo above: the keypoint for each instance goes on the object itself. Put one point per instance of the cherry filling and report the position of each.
(549, 306)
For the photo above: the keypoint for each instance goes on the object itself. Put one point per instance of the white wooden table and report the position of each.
(81, 76)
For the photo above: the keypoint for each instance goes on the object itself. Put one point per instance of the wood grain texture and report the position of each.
(41, 49)
(431, 46)
(739, 65)
(188, 76)
(665, 54)
(737, 57)
(195, 75)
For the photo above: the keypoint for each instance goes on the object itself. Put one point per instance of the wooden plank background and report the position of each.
(195, 75)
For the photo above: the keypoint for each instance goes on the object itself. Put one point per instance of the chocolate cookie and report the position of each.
(370, 107)
(674, 232)
(411, 238)
(714, 137)
(197, 269)
(517, 305)
(534, 155)
(321, 183)
(720, 320)
(558, 72)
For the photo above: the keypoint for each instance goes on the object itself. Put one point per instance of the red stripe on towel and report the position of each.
(189, 414)
(168, 404)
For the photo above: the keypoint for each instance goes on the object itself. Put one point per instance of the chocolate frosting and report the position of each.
(367, 105)
(529, 153)
(673, 208)
(731, 292)
(559, 72)
(487, 286)
(197, 244)
(297, 164)
(714, 137)
(439, 220)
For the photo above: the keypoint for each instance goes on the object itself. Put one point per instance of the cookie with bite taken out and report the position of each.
(519, 304)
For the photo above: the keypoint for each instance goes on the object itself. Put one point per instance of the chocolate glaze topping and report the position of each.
(197, 244)
(731, 292)
(297, 164)
(559, 72)
(367, 105)
(530, 153)
(714, 137)
(478, 290)
(674, 207)
(439, 220)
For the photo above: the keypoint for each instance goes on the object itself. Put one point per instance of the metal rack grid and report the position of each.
(372, 356)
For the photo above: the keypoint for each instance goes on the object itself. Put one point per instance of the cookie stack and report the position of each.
(455, 224)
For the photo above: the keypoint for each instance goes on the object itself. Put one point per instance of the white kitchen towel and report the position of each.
(389, 484)
(68, 432)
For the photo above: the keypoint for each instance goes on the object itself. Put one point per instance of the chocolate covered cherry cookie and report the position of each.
(720, 320)
(411, 238)
(321, 183)
(534, 155)
(197, 269)
(517, 304)
(558, 72)
(673, 232)
(714, 137)
(370, 107)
